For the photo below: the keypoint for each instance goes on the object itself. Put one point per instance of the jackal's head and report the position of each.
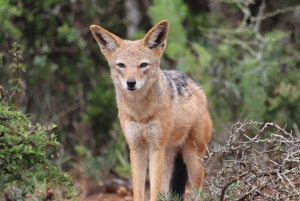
(134, 64)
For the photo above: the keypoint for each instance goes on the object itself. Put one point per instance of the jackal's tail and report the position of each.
(179, 176)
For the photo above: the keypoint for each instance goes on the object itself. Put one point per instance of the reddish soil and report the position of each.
(113, 192)
(112, 189)
(108, 197)
(121, 194)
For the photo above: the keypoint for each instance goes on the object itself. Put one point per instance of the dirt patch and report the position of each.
(108, 197)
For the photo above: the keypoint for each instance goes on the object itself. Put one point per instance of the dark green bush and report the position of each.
(24, 167)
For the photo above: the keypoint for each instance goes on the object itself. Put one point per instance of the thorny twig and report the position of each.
(262, 162)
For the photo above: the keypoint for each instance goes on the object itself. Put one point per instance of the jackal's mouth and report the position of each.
(132, 89)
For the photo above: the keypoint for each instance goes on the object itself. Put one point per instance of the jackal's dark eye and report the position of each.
(121, 65)
(143, 65)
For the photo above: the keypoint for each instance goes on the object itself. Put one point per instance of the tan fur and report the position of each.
(156, 121)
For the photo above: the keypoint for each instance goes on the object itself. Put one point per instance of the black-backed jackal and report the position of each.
(163, 114)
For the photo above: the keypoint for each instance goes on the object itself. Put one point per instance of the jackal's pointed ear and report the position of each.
(155, 39)
(107, 41)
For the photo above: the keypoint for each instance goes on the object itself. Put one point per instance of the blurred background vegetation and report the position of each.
(245, 54)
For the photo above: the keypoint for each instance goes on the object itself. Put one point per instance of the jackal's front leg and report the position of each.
(156, 167)
(138, 157)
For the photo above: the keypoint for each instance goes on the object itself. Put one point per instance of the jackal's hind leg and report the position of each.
(191, 151)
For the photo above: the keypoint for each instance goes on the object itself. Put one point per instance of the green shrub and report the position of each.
(24, 168)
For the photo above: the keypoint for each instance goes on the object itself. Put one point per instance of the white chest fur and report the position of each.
(149, 132)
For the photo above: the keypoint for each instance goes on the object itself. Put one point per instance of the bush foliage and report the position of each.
(24, 145)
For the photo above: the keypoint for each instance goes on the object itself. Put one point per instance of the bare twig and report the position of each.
(262, 162)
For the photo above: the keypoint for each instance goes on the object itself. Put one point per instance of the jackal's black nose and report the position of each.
(131, 83)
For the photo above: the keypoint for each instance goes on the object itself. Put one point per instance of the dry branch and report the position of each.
(261, 162)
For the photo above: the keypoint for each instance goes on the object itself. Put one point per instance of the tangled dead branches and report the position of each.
(260, 161)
